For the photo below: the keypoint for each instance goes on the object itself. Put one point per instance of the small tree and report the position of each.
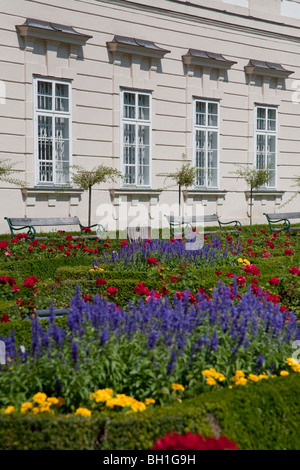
(255, 178)
(6, 169)
(296, 193)
(183, 177)
(86, 179)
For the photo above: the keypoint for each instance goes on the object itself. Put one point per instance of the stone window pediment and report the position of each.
(268, 69)
(206, 59)
(133, 46)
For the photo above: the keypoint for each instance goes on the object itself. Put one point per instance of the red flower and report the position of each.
(173, 279)
(30, 282)
(252, 269)
(179, 295)
(86, 229)
(152, 261)
(295, 270)
(69, 237)
(5, 318)
(15, 289)
(30, 248)
(164, 291)
(218, 273)
(67, 253)
(112, 291)
(284, 309)
(273, 298)
(190, 441)
(249, 240)
(3, 245)
(263, 231)
(100, 282)
(288, 252)
(229, 274)
(274, 281)
(7, 280)
(124, 242)
(42, 247)
(107, 245)
(87, 298)
(241, 280)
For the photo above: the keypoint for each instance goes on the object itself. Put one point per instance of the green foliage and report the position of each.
(6, 169)
(262, 416)
(184, 176)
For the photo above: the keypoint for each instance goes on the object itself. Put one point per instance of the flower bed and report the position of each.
(183, 322)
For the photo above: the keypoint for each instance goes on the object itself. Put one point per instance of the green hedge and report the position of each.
(84, 272)
(43, 268)
(261, 416)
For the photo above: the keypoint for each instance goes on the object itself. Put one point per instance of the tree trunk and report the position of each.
(90, 205)
(179, 199)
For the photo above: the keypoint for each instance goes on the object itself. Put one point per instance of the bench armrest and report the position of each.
(286, 224)
(31, 232)
(236, 223)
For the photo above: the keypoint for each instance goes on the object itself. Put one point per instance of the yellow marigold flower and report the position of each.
(40, 397)
(284, 372)
(240, 260)
(44, 407)
(263, 376)
(253, 377)
(290, 361)
(230, 386)
(53, 400)
(83, 412)
(273, 376)
(206, 372)
(221, 377)
(91, 270)
(149, 401)
(239, 373)
(138, 406)
(177, 387)
(9, 409)
(296, 368)
(210, 381)
(26, 406)
(35, 410)
(246, 261)
(102, 395)
(241, 381)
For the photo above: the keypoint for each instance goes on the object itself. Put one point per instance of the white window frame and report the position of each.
(53, 114)
(147, 122)
(266, 133)
(206, 128)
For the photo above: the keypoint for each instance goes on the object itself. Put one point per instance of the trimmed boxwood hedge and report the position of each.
(261, 416)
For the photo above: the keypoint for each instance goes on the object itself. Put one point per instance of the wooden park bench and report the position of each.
(283, 219)
(192, 221)
(19, 224)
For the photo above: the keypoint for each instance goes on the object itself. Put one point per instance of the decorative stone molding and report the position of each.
(269, 69)
(133, 46)
(206, 59)
(33, 30)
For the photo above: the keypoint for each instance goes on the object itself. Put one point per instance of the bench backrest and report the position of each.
(284, 215)
(176, 219)
(17, 222)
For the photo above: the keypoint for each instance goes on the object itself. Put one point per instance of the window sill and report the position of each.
(50, 190)
(267, 192)
(130, 191)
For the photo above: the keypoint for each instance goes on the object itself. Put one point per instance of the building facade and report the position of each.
(135, 85)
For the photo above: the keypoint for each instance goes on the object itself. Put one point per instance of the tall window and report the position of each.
(52, 131)
(266, 141)
(135, 137)
(206, 142)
